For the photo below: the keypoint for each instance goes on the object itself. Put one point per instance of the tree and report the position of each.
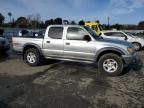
(65, 22)
(49, 22)
(2, 18)
(88, 21)
(42, 25)
(58, 21)
(34, 24)
(116, 26)
(34, 20)
(10, 14)
(141, 25)
(73, 23)
(13, 22)
(81, 22)
(97, 21)
(22, 22)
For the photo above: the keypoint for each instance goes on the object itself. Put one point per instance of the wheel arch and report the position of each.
(31, 45)
(108, 50)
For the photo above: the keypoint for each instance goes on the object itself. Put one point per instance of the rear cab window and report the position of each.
(55, 32)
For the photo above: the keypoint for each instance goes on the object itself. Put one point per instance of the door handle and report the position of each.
(67, 43)
(48, 41)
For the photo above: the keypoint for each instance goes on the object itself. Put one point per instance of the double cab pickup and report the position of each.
(79, 44)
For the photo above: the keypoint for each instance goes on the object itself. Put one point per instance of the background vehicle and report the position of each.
(76, 43)
(94, 26)
(30, 33)
(4, 44)
(138, 42)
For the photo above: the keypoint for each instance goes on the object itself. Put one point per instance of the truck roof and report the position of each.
(65, 26)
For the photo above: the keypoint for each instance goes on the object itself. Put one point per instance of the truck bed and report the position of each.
(19, 42)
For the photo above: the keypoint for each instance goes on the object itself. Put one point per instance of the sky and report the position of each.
(119, 11)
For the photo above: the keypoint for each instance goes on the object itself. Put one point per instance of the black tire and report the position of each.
(36, 58)
(118, 63)
(137, 46)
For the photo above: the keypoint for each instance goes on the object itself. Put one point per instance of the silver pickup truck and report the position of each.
(76, 43)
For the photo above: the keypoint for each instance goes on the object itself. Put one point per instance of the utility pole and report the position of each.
(108, 20)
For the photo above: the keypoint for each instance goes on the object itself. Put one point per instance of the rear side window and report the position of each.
(55, 32)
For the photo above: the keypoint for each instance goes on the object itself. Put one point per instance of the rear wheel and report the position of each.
(32, 57)
(137, 46)
(111, 64)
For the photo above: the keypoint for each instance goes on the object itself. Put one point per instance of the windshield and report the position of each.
(128, 33)
(92, 32)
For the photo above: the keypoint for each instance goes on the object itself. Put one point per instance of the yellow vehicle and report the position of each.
(94, 26)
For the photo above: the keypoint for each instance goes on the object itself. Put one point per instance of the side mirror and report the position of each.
(87, 38)
(126, 38)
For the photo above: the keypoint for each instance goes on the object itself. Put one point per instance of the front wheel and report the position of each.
(32, 57)
(111, 64)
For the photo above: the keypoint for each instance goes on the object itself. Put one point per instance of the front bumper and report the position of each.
(129, 59)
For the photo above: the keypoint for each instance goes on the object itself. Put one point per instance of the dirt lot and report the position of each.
(58, 84)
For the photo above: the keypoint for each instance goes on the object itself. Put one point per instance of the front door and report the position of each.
(76, 47)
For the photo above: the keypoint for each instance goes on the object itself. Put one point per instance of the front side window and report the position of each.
(76, 33)
(55, 32)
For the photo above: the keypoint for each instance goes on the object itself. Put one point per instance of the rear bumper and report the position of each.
(129, 59)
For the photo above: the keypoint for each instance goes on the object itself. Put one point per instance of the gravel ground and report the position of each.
(59, 84)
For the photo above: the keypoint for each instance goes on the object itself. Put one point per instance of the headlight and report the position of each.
(131, 50)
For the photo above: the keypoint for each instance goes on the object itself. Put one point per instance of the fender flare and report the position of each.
(108, 49)
(33, 45)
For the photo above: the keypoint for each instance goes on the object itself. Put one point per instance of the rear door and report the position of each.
(53, 42)
(76, 47)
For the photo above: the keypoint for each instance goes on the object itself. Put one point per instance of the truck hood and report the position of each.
(118, 42)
